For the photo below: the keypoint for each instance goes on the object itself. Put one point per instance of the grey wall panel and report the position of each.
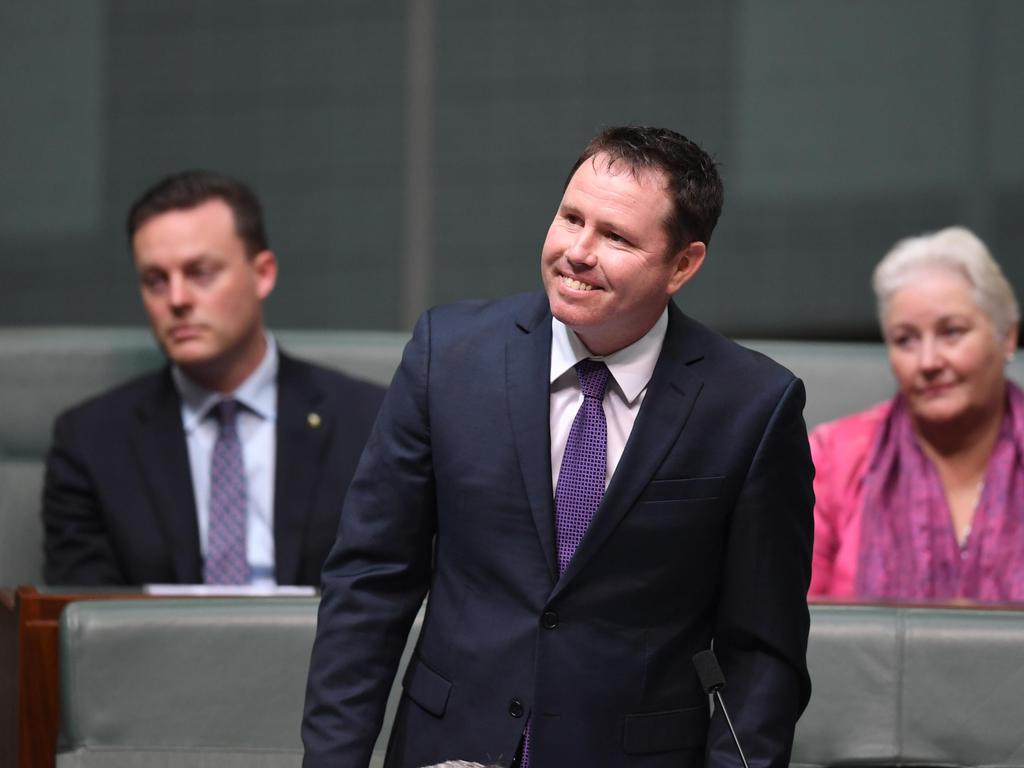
(414, 153)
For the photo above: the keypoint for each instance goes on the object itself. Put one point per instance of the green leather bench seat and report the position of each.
(183, 683)
(913, 687)
(219, 683)
(21, 529)
(215, 682)
(44, 370)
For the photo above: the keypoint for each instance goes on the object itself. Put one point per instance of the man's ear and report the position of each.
(688, 262)
(264, 265)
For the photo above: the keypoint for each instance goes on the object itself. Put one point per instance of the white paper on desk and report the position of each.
(228, 590)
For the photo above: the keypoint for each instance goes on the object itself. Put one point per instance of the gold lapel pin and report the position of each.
(313, 420)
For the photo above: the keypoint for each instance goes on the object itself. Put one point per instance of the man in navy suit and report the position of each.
(536, 649)
(129, 496)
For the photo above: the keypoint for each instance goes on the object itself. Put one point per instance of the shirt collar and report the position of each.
(631, 367)
(257, 394)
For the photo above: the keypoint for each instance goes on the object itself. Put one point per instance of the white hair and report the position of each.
(957, 250)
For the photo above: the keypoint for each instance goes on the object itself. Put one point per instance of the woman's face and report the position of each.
(944, 349)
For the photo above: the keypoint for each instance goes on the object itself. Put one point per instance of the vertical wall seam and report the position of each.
(420, 79)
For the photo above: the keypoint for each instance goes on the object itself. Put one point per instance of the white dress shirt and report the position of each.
(631, 369)
(257, 432)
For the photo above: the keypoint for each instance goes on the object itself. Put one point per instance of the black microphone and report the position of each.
(713, 681)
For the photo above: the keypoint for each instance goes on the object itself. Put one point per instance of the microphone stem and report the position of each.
(732, 730)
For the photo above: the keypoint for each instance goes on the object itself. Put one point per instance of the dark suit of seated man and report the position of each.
(230, 464)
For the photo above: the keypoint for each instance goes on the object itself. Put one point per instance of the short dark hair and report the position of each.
(694, 185)
(188, 189)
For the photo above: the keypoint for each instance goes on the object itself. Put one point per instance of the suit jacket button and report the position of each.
(515, 708)
(549, 620)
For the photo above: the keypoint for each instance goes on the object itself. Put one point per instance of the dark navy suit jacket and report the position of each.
(118, 504)
(704, 535)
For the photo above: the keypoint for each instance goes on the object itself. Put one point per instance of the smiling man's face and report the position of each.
(606, 262)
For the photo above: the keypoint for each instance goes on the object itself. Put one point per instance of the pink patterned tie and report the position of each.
(581, 477)
(225, 546)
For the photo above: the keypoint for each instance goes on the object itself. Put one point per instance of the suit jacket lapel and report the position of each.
(671, 394)
(303, 431)
(162, 453)
(528, 370)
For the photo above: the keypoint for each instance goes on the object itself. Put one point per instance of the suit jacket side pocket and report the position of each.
(427, 688)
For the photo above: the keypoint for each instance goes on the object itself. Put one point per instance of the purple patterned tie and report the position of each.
(581, 478)
(225, 546)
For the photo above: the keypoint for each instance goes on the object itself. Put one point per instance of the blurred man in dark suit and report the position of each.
(230, 464)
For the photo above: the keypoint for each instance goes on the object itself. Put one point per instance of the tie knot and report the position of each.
(593, 375)
(225, 412)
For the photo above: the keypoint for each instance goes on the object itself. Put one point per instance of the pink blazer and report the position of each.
(840, 450)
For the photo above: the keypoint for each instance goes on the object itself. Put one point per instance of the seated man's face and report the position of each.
(203, 293)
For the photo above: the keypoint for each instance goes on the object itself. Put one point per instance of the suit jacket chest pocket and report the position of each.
(669, 541)
(680, 512)
(682, 490)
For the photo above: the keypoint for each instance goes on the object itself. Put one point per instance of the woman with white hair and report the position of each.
(922, 496)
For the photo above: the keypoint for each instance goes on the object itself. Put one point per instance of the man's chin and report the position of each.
(575, 314)
(188, 353)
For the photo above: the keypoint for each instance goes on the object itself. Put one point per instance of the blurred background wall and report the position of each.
(410, 153)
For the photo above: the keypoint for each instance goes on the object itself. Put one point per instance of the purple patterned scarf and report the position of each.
(908, 548)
